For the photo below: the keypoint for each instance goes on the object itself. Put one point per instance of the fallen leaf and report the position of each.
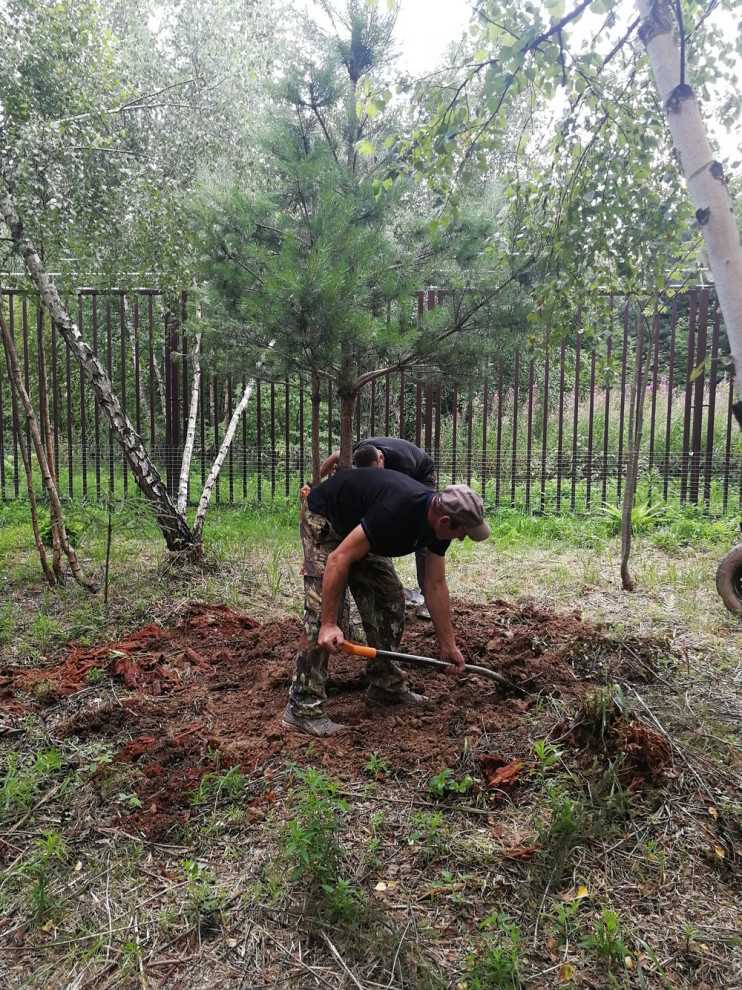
(381, 885)
(720, 852)
(566, 973)
(498, 774)
(713, 812)
(628, 962)
(578, 894)
(520, 852)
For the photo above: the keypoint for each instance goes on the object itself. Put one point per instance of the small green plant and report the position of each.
(231, 786)
(377, 767)
(73, 533)
(49, 852)
(204, 900)
(444, 784)
(373, 845)
(95, 676)
(606, 939)
(20, 783)
(564, 915)
(497, 965)
(431, 835)
(599, 710)
(547, 756)
(7, 622)
(311, 844)
(644, 517)
(44, 630)
(274, 571)
(568, 827)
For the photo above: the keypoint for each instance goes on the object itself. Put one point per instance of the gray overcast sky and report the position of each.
(424, 30)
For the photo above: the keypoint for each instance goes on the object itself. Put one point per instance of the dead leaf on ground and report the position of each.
(498, 774)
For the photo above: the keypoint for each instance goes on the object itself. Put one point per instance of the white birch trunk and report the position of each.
(707, 186)
(198, 524)
(172, 524)
(185, 466)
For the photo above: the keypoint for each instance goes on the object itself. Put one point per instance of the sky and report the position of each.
(424, 30)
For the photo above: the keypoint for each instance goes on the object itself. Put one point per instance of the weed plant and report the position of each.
(497, 965)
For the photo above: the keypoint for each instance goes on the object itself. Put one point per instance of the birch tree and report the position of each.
(707, 183)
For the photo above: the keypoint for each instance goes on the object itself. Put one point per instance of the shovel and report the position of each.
(370, 652)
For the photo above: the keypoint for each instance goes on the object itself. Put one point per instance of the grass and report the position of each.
(575, 880)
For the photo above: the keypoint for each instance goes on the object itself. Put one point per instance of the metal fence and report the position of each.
(544, 427)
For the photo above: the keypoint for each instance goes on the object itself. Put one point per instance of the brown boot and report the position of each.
(318, 726)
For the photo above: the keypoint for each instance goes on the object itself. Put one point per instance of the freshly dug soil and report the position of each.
(209, 691)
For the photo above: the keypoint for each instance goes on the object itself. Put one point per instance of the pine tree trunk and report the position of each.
(316, 398)
(172, 524)
(185, 466)
(707, 185)
(216, 467)
(59, 531)
(25, 457)
(347, 408)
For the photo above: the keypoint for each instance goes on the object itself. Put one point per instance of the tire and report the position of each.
(729, 580)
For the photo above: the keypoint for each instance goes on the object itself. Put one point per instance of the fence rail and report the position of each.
(545, 429)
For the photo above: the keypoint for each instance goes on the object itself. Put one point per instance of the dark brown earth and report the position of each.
(208, 693)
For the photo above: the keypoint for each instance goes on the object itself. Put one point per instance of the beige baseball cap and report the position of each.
(466, 509)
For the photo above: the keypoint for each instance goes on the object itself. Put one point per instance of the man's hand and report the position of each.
(331, 638)
(453, 655)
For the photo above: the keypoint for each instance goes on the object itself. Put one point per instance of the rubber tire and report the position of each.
(729, 580)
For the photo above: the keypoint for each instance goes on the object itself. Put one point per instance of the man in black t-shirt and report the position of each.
(406, 457)
(350, 527)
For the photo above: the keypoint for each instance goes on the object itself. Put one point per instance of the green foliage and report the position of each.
(644, 517)
(49, 854)
(547, 755)
(73, 530)
(311, 842)
(204, 899)
(566, 828)
(606, 939)
(444, 784)
(22, 779)
(431, 835)
(377, 766)
(497, 965)
(230, 786)
(95, 676)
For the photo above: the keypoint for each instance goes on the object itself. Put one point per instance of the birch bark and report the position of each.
(216, 467)
(172, 524)
(185, 466)
(707, 186)
(25, 457)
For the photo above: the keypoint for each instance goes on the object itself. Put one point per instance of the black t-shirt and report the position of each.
(401, 455)
(391, 507)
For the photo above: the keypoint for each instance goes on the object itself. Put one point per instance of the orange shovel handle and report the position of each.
(356, 650)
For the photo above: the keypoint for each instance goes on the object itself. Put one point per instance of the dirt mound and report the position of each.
(208, 693)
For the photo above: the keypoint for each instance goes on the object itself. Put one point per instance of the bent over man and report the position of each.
(350, 528)
(396, 454)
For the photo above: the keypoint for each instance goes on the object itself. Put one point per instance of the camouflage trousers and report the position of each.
(377, 592)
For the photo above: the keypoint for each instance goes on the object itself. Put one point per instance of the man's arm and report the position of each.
(328, 464)
(436, 598)
(354, 547)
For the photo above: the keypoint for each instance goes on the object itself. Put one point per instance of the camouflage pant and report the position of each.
(378, 594)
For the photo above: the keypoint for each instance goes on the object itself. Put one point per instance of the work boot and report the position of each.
(413, 597)
(320, 725)
(422, 612)
(376, 695)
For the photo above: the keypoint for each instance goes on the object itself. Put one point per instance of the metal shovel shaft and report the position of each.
(412, 658)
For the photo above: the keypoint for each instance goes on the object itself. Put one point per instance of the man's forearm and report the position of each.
(334, 583)
(328, 464)
(437, 600)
